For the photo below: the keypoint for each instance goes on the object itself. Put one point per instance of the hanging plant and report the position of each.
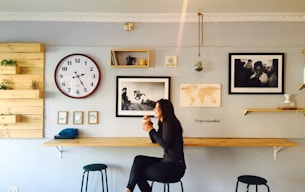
(9, 62)
(199, 65)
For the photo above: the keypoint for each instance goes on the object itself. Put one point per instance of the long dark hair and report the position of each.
(168, 112)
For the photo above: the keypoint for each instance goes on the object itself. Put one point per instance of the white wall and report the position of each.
(32, 167)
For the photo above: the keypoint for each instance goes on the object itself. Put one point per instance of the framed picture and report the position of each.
(256, 73)
(92, 117)
(137, 95)
(62, 117)
(77, 117)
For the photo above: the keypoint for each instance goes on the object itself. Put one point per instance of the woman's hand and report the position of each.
(147, 124)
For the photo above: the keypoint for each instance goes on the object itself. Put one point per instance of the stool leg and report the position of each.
(106, 180)
(248, 188)
(164, 187)
(81, 189)
(102, 177)
(267, 187)
(236, 186)
(256, 188)
(167, 187)
(181, 185)
(87, 181)
(152, 183)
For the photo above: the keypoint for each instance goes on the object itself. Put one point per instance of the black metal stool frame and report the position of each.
(261, 182)
(166, 185)
(87, 179)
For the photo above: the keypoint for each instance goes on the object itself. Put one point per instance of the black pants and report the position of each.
(141, 164)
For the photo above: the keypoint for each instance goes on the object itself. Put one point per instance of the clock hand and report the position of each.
(79, 78)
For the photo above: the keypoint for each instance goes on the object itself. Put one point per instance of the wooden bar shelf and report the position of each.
(276, 143)
(119, 58)
(296, 110)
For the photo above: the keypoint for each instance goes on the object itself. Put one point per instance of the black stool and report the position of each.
(251, 180)
(167, 179)
(95, 167)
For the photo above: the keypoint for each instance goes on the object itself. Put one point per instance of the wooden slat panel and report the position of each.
(22, 110)
(19, 94)
(30, 63)
(21, 134)
(22, 56)
(21, 103)
(30, 59)
(8, 119)
(21, 47)
(32, 71)
(21, 126)
(31, 118)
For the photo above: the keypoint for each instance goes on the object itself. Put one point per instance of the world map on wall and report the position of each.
(200, 95)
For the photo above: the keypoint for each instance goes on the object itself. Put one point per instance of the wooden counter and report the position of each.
(188, 141)
(276, 143)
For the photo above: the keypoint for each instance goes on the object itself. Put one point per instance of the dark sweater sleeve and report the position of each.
(164, 136)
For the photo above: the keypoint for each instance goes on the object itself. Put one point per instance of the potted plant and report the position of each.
(8, 62)
(4, 85)
(34, 84)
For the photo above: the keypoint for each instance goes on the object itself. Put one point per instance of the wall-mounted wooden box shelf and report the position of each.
(6, 70)
(118, 58)
(9, 119)
(248, 110)
(26, 93)
(20, 98)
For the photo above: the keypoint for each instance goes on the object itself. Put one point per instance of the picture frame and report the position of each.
(62, 117)
(93, 117)
(78, 117)
(256, 73)
(137, 95)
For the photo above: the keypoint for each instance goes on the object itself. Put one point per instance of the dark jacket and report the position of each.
(169, 137)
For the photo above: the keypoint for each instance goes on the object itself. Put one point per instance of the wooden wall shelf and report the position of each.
(26, 93)
(118, 58)
(6, 70)
(20, 98)
(296, 110)
(9, 119)
(276, 143)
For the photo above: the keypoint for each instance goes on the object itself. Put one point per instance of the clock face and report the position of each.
(77, 76)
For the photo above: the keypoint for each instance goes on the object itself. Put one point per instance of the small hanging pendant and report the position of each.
(198, 66)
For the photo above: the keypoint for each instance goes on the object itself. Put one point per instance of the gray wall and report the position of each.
(32, 167)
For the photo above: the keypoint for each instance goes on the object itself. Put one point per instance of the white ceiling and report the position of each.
(152, 6)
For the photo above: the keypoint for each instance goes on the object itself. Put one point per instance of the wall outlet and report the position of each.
(13, 189)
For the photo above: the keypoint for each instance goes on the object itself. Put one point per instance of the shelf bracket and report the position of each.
(60, 151)
(275, 151)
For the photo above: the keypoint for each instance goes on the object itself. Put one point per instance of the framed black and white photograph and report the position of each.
(256, 73)
(137, 95)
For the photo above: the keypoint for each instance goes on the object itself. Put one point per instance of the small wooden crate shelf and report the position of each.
(31, 93)
(9, 119)
(118, 58)
(7, 70)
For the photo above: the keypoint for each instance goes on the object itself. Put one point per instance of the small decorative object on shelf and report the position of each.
(4, 85)
(8, 62)
(34, 84)
(129, 58)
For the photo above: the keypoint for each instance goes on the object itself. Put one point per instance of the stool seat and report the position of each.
(95, 167)
(252, 180)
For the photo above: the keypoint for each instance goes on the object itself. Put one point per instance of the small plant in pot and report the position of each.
(34, 84)
(4, 85)
(8, 62)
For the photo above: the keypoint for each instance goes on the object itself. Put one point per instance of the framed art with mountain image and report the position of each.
(256, 73)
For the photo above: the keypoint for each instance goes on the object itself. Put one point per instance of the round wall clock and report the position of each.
(77, 75)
